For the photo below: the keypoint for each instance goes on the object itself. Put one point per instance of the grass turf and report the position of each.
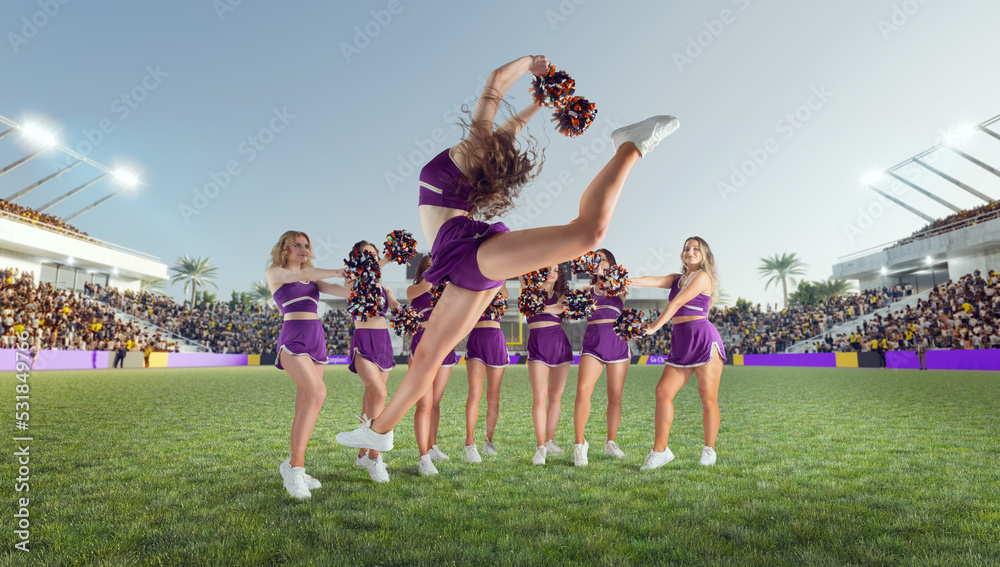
(816, 467)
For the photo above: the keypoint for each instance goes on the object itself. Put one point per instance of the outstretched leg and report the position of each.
(671, 381)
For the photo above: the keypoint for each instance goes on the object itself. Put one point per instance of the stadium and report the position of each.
(857, 410)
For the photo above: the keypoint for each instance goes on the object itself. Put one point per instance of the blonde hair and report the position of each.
(707, 263)
(279, 252)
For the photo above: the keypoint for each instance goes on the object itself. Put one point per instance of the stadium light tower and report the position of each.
(38, 138)
(126, 179)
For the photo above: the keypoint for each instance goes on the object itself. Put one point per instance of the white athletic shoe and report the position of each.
(489, 449)
(580, 454)
(311, 483)
(426, 466)
(551, 447)
(656, 460)
(376, 469)
(472, 454)
(646, 134)
(437, 454)
(362, 462)
(294, 480)
(611, 448)
(539, 458)
(364, 438)
(707, 456)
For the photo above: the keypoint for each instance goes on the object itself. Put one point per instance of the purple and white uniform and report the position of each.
(548, 345)
(600, 340)
(300, 337)
(422, 303)
(486, 344)
(373, 345)
(442, 184)
(691, 342)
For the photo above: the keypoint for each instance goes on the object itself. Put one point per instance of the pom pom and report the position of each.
(630, 325)
(587, 264)
(496, 309)
(436, 292)
(574, 116)
(366, 301)
(532, 300)
(578, 304)
(405, 320)
(615, 281)
(362, 267)
(400, 246)
(537, 277)
(552, 88)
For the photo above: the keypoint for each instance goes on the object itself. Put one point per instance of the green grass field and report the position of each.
(816, 467)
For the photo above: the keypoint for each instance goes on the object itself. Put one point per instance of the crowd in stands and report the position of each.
(32, 216)
(956, 221)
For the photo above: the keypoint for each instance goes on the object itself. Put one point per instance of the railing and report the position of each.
(69, 233)
(930, 233)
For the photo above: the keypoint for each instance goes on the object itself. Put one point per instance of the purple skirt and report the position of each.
(487, 345)
(601, 342)
(374, 346)
(449, 359)
(454, 253)
(691, 343)
(549, 346)
(302, 337)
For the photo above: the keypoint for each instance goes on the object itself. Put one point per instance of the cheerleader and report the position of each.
(695, 348)
(602, 347)
(296, 286)
(371, 360)
(485, 356)
(549, 358)
(427, 415)
(479, 178)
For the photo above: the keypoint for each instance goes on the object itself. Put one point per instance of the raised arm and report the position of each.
(702, 283)
(277, 276)
(333, 289)
(519, 120)
(655, 281)
(391, 302)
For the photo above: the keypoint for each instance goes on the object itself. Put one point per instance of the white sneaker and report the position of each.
(611, 448)
(376, 469)
(580, 454)
(364, 438)
(489, 449)
(472, 454)
(656, 460)
(311, 483)
(294, 480)
(426, 466)
(646, 134)
(539, 458)
(707, 456)
(362, 462)
(551, 447)
(437, 454)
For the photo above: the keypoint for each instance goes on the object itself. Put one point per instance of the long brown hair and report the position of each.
(422, 266)
(562, 284)
(499, 166)
(279, 252)
(611, 260)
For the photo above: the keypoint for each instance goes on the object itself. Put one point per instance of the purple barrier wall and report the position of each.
(902, 359)
(987, 359)
(816, 360)
(61, 360)
(338, 359)
(199, 359)
(657, 359)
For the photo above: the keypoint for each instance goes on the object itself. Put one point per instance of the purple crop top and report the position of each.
(697, 306)
(442, 184)
(605, 307)
(297, 297)
(385, 306)
(422, 303)
(546, 317)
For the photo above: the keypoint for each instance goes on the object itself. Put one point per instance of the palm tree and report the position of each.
(261, 293)
(156, 286)
(781, 268)
(195, 273)
(834, 288)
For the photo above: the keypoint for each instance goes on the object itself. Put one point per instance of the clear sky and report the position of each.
(324, 112)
